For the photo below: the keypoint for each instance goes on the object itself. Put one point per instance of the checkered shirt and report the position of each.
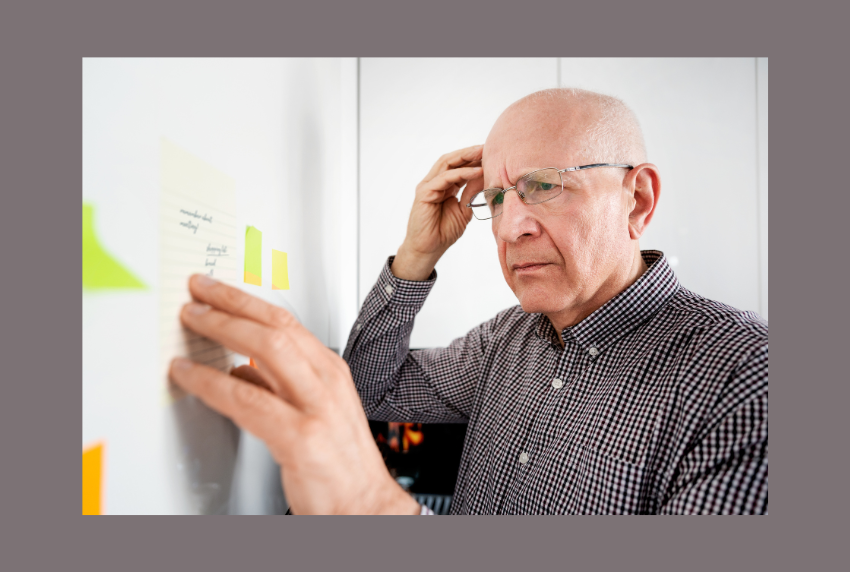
(656, 404)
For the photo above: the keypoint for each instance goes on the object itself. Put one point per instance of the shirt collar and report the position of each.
(622, 313)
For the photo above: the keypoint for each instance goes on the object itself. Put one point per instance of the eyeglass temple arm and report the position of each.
(583, 167)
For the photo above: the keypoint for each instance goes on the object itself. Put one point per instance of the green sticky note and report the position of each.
(253, 256)
(100, 270)
(280, 273)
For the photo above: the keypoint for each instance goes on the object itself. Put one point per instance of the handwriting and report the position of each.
(195, 214)
(210, 263)
(216, 250)
(188, 224)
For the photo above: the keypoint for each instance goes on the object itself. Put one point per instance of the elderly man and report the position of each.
(609, 389)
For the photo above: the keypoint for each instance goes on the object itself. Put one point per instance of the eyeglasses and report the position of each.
(536, 187)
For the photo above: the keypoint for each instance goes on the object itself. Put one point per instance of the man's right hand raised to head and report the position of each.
(438, 218)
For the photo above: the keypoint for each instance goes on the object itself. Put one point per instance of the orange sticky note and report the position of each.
(92, 479)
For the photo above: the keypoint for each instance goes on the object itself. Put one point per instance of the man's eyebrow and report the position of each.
(523, 172)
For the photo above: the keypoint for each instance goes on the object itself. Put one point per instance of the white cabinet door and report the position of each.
(762, 127)
(411, 112)
(699, 120)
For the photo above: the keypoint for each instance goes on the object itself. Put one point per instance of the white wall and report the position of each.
(699, 119)
(285, 131)
(762, 143)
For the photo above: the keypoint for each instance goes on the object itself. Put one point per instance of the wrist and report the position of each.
(398, 502)
(408, 265)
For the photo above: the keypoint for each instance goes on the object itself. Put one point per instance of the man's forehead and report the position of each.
(525, 139)
(506, 164)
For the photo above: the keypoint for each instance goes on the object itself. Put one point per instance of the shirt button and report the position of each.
(557, 383)
(523, 458)
(593, 351)
(388, 289)
(358, 326)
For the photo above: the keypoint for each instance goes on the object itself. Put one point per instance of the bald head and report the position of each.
(596, 128)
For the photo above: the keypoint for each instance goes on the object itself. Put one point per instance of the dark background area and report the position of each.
(432, 464)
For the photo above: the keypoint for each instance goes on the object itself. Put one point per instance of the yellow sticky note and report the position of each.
(280, 274)
(253, 256)
(100, 270)
(92, 479)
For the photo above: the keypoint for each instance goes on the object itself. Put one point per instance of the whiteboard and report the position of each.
(281, 131)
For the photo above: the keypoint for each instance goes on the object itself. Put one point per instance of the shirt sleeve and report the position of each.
(396, 384)
(725, 470)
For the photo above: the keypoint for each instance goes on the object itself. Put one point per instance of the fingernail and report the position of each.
(204, 280)
(181, 363)
(196, 309)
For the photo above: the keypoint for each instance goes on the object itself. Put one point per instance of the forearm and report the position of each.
(377, 348)
(395, 384)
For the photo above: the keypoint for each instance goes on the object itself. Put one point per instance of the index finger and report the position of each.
(286, 357)
(235, 301)
(455, 159)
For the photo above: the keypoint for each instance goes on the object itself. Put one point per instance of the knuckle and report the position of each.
(251, 397)
(312, 426)
(277, 342)
(232, 297)
(281, 317)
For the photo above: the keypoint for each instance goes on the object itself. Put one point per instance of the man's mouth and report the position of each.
(529, 267)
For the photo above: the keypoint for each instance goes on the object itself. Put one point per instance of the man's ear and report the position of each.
(644, 184)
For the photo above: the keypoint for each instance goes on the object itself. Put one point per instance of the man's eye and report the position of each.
(534, 186)
(498, 199)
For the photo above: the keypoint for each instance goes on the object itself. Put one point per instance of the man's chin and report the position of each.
(538, 304)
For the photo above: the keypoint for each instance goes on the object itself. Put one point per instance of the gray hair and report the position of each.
(614, 136)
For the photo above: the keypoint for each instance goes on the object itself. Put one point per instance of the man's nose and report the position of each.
(516, 219)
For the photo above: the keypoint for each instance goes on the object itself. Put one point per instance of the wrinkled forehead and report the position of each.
(524, 140)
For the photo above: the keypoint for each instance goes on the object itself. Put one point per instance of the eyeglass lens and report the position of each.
(535, 187)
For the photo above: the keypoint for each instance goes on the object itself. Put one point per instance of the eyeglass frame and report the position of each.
(567, 170)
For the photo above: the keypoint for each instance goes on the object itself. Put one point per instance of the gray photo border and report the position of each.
(42, 104)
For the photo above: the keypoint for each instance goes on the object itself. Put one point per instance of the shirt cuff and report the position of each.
(412, 289)
(404, 297)
(425, 511)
